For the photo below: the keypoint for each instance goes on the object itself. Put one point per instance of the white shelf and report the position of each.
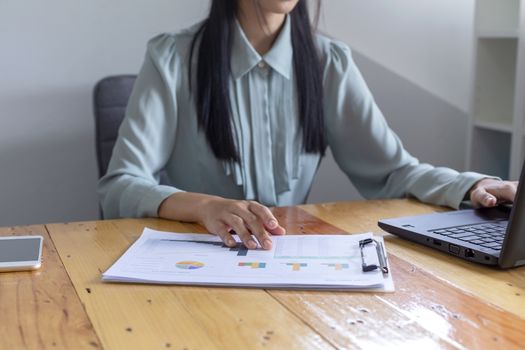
(501, 127)
(495, 80)
(496, 134)
(497, 15)
(490, 150)
(497, 34)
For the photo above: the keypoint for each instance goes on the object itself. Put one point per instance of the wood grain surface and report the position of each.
(425, 311)
(440, 301)
(40, 309)
(504, 288)
(158, 317)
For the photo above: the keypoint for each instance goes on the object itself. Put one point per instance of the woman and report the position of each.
(239, 110)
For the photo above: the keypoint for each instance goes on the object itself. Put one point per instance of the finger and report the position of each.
(266, 216)
(505, 191)
(481, 198)
(256, 227)
(223, 231)
(238, 225)
(279, 231)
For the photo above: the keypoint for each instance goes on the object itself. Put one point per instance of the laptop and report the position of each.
(491, 236)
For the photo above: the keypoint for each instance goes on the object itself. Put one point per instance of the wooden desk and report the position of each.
(440, 301)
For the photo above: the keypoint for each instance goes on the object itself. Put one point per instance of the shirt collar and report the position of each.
(245, 58)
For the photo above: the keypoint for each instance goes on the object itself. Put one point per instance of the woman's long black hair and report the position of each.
(214, 73)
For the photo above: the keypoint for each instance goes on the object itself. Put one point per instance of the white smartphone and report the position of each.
(18, 253)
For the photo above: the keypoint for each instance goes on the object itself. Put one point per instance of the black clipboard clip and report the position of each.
(380, 255)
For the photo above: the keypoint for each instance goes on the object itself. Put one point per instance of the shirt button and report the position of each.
(261, 64)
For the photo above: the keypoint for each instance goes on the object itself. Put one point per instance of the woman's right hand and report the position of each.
(246, 218)
(221, 216)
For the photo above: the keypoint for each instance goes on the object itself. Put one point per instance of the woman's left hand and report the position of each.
(491, 192)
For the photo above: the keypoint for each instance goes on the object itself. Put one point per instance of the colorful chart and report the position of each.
(189, 265)
(297, 266)
(338, 266)
(253, 265)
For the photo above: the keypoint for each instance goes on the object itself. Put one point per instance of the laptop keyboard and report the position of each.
(489, 235)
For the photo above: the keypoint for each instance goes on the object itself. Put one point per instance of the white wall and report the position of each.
(429, 42)
(52, 53)
(416, 56)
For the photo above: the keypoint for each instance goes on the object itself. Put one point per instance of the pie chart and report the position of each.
(189, 265)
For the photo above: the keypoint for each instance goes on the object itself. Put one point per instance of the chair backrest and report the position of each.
(110, 98)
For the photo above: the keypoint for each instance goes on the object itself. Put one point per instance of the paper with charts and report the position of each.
(295, 261)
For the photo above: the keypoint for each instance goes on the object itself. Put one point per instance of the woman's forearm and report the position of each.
(185, 206)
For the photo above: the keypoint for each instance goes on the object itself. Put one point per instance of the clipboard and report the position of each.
(381, 256)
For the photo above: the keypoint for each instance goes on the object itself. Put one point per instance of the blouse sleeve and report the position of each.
(369, 152)
(131, 187)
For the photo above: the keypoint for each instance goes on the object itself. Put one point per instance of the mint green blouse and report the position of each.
(160, 131)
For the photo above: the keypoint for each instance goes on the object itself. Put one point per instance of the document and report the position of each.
(295, 261)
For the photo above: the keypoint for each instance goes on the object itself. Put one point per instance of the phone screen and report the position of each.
(14, 250)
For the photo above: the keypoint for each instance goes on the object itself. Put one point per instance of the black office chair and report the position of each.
(110, 98)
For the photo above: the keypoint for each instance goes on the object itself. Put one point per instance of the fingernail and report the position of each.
(231, 242)
(251, 244)
(272, 224)
(267, 244)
